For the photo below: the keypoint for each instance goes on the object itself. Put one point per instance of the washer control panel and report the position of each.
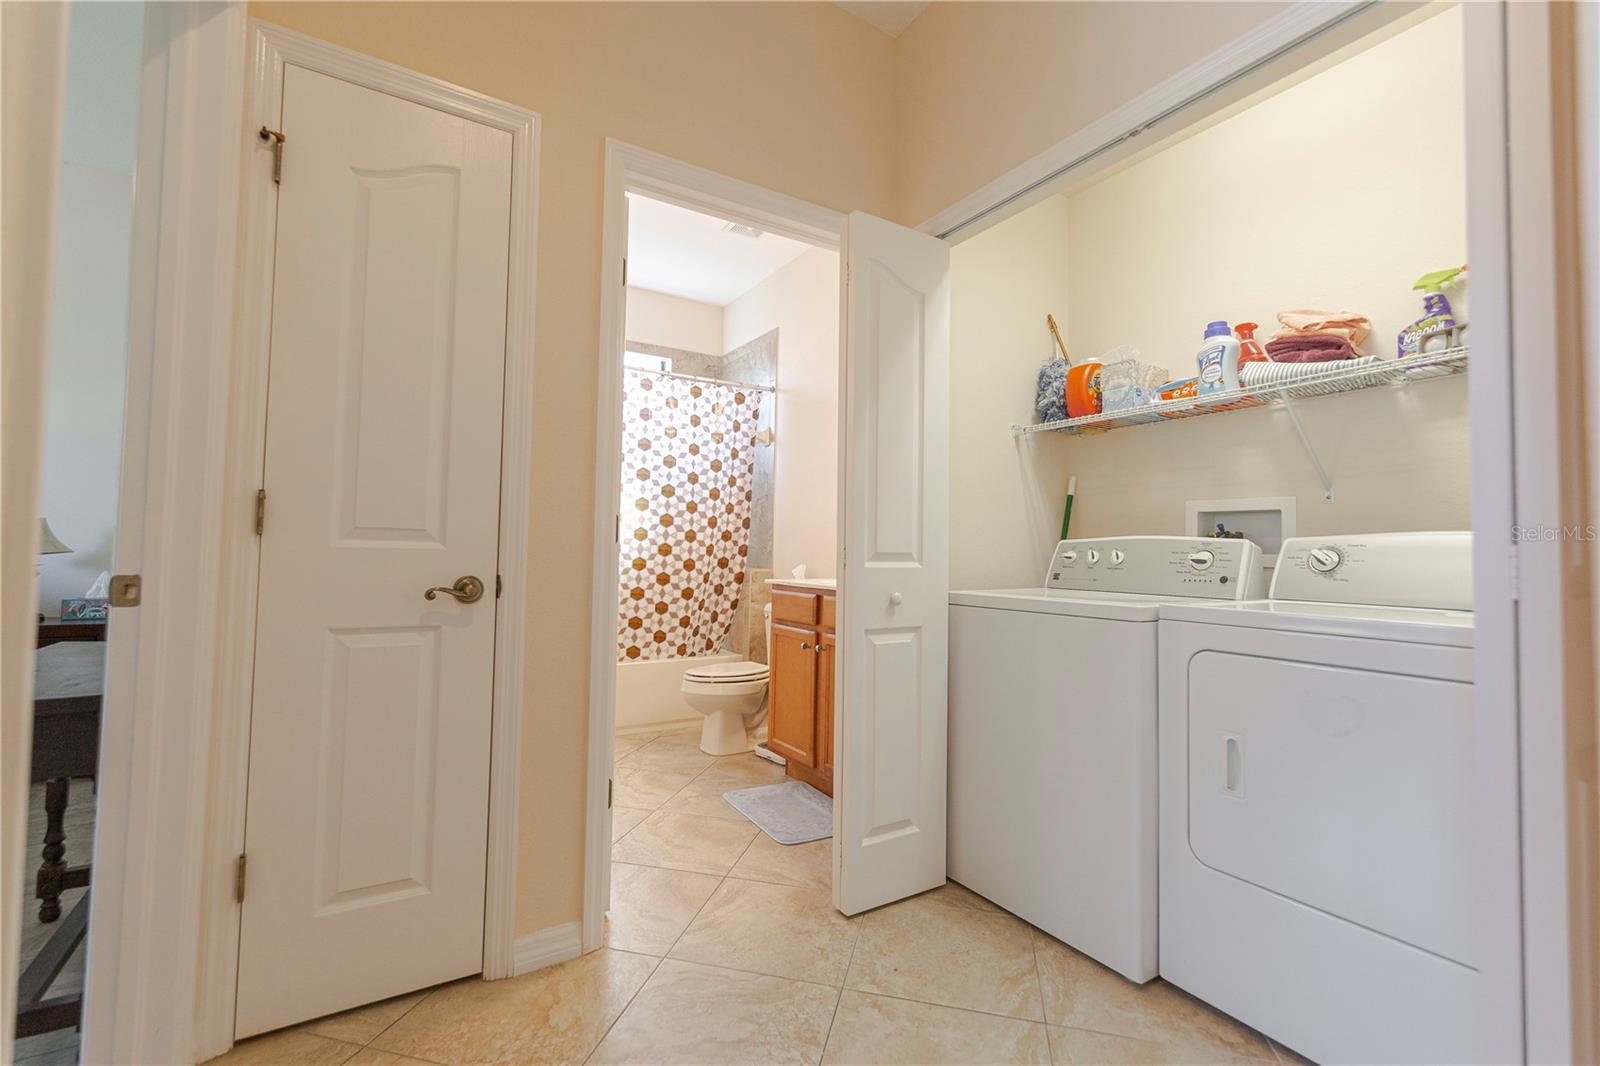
(1432, 570)
(1207, 568)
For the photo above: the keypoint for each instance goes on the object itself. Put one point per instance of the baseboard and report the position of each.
(546, 948)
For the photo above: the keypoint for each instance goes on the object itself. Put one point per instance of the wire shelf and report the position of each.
(1319, 380)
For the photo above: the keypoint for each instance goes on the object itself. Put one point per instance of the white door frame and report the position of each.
(635, 170)
(269, 48)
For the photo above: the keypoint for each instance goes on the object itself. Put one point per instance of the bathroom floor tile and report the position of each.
(647, 789)
(624, 744)
(557, 1014)
(744, 771)
(668, 755)
(651, 907)
(361, 1025)
(1081, 993)
(879, 1031)
(780, 930)
(685, 842)
(624, 819)
(703, 796)
(808, 865)
(937, 952)
(708, 1016)
(288, 1047)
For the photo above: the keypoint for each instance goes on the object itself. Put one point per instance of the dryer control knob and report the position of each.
(1094, 556)
(1117, 555)
(1202, 559)
(1324, 560)
(1069, 557)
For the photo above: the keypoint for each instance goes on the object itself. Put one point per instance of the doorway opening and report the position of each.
(729, 415)
(83, 444)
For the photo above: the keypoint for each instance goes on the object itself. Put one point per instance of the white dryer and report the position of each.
(1317, 784)
(1052, 743)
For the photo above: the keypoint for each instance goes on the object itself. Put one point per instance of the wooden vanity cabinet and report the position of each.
(800, 723)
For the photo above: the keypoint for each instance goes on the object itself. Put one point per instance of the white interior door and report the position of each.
(889, 762)
(369, 746)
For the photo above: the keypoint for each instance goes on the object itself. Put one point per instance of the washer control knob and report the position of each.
(1202, 559)
(1324, 560)
(1068, 558)
(1094, 556)
(1117, 555)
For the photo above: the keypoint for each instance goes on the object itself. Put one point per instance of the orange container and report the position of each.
(1180, 390)
(1083, 389)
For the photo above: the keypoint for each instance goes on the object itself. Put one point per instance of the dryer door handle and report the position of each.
(1233, 763)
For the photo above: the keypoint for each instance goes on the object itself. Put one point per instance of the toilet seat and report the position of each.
(726, 673)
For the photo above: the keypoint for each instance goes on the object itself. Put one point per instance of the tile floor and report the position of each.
(723, 947)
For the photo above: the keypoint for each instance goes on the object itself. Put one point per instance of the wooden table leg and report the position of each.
(52, 871)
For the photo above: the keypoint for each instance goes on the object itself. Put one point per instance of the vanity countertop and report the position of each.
(827, 583)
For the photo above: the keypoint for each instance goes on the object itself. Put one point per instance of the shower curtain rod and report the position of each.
(709, 381)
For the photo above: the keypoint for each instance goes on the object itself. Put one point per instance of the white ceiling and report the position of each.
(684, 253)
(890, 16)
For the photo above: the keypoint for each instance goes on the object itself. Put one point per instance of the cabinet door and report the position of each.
(825, 704)
(792, 727)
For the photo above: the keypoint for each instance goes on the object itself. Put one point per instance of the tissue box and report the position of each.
(80, 609)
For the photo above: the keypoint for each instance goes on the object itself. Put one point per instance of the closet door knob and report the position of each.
(895, 599)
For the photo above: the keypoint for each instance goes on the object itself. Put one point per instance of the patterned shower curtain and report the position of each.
(688, 460)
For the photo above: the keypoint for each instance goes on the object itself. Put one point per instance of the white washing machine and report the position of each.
(1317, 779)
(1052, 745)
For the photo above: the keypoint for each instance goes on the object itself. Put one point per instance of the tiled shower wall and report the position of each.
(753, 363)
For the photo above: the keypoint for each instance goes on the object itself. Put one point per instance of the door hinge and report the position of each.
(499, 586)
(277, 138)
(238, 880)
(126, 590)
(624, 271)
(609, 783)
(261, 511)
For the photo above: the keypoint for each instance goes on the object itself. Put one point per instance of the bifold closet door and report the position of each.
(369, 746)
(893, 634)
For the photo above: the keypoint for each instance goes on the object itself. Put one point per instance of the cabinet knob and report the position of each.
(804, 646)
(895, 599)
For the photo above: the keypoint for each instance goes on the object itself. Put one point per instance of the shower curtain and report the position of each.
(687, 466)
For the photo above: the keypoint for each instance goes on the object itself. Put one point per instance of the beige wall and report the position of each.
(801, 98)
(801, 301)
(673, 322)
(793, 97)
(1219, 225)
(983, 87)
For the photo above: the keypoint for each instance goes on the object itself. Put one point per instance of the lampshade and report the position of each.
(48, 542)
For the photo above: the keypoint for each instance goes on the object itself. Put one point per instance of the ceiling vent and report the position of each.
(742, 231)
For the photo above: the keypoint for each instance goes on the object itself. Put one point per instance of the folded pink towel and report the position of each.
(1347, 324)
(1308, 348)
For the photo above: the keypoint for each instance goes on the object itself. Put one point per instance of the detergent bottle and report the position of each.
(1218, 360)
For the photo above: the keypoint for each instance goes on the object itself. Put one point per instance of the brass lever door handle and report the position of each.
(466, 589)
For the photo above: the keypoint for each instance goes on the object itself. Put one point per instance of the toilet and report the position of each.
(733, 697)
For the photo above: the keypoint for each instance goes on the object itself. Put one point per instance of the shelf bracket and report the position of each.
(1311, 451)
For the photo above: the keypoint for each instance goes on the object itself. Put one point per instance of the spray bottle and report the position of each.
(1437, 329)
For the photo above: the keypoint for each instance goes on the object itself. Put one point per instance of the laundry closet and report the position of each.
(1211, 558)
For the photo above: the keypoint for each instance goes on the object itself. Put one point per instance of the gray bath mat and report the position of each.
(790, 813)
